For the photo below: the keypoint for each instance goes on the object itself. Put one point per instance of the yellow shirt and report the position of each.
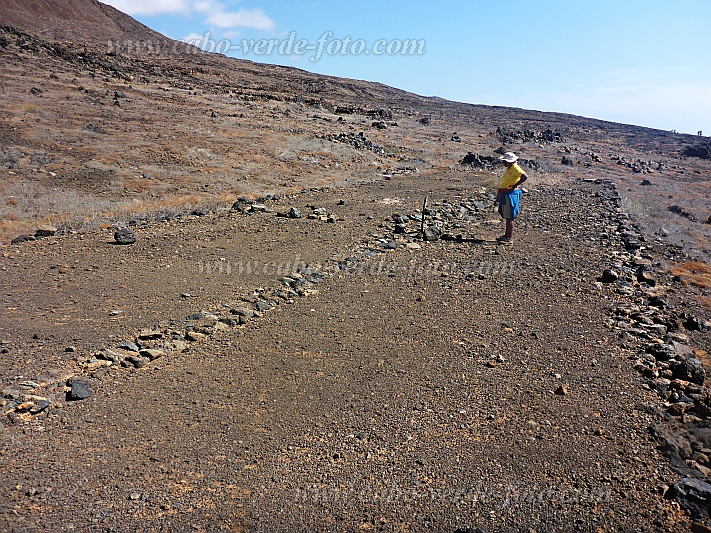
(511, 176)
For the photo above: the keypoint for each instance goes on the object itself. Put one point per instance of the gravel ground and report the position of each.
(440, 386)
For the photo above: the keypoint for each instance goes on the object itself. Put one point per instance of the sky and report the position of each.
(646, 63)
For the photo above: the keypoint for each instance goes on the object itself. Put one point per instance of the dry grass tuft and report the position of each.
(693, 273)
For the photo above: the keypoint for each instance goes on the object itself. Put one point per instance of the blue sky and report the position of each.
(636, 62)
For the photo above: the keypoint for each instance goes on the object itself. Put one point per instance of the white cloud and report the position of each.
(216, 12)
(219, 17)
(194, 38)
(151, 7)
(247, 18)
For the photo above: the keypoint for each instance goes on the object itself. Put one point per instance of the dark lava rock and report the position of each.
(80, 391)
(262, 306)
(567, 161)
(480, 161)
(631, 242)
(701, 151)
(694, 323)
(692, 494)
(609, 276)
(690, 370)
(295, 213)
(45, 231)
(124, 236)
(200, 212)
(646, 182)
(661, 352)
(23, 238)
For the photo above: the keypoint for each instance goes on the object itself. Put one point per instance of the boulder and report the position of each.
(124, 236)
(45, 231)
(692, 494)
(689, 370)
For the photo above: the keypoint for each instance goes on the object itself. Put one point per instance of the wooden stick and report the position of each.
(422, 222)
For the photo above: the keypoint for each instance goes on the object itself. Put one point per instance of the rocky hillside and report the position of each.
(94, 131)
(242, 297)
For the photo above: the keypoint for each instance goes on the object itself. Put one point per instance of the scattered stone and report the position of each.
(136, 360)
(128, 346)
(567, 161)
(243, 205)
(150, 335)
(295, 213)
(110, 355)
(432, 233)
(609, 275)
(79, 391)
(690, 370)
(562, 390)
(95, 129)
(45, 231)
(124, 236)
(22, 239)
(262, 306)
(152, 354)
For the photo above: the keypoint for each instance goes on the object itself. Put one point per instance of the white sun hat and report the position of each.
(509, 157)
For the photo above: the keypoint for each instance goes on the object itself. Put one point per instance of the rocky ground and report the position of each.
(385, 382)
(220, 312)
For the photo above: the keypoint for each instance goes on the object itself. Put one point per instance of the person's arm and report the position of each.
(523, 178)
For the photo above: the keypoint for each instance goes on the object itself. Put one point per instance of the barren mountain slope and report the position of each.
(284, 349)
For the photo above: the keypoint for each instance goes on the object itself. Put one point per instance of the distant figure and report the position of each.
(700, 133)
(509, 197)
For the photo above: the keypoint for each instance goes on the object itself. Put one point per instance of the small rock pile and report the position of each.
(474, 160)
(509, 136)
(357, 140)
(640, 166)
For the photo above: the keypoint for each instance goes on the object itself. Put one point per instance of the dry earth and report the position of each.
(335, 371)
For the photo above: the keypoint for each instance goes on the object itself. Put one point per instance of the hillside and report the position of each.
(283, 349)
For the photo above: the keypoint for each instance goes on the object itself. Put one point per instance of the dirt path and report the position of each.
(447, 387)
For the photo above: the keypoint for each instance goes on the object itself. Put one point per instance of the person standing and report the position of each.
(509, 197)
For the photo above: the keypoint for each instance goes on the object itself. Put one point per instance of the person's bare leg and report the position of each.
(509, 229)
